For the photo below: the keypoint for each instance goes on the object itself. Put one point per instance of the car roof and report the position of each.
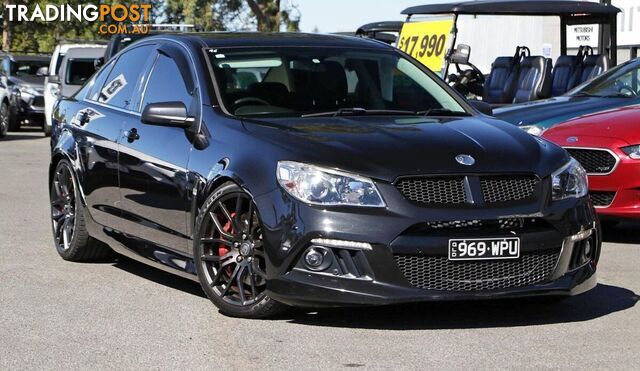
(515, 7)
(85, 52)
(63, 48)
(38, 58)
(386, 26)
(292, 39)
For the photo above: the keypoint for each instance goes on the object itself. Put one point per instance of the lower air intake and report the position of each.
(438, 273)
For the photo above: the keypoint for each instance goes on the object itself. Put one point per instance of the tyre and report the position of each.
(4, 119)
(229, 255)
(47, 130)
(14, 123)
(72, 241)
(609, 224)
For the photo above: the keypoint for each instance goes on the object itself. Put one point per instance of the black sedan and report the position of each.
(615, 88)
(294, 169)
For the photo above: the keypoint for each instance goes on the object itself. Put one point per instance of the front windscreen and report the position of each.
(79, 71)
(27, 68)
(289, 82)
(622, 81)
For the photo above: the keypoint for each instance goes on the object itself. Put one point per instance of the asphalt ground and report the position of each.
(125, 315)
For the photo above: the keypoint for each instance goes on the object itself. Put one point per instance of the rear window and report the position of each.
(79, 71)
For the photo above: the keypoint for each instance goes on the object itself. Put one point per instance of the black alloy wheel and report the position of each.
(63, 208)
(230, 255)
(70, 235)
(4, 119)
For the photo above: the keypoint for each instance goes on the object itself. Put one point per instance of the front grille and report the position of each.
(594, 161)
(497, 189)
(506, 223)
(433, 190)
(438, 273)
(457, 190)
(602, 199)
(38, 101)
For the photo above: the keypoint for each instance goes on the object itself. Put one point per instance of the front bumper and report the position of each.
(376, 277)
(29, 108)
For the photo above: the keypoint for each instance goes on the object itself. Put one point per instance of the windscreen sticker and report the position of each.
(112, 88)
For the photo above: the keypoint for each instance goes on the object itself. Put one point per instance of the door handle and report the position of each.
(84, 118)
(132, 135)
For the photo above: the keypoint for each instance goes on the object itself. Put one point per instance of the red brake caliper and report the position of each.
(222, 249)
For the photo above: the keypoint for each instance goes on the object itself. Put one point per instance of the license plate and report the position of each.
(484, 248)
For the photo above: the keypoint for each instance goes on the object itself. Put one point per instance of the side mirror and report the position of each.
(42, 71)
(483, 107)
(460, 54)
(98, 62)
(167, 114)
(53, 79)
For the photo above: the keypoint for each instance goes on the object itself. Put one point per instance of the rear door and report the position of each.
(153, 159)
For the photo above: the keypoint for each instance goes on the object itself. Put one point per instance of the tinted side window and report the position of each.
(124, 77)
(4, 66)
(166, 84)
(98, 81)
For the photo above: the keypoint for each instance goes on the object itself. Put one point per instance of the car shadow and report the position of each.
(27, 133)
(625, 232)
(601, 301)
(159, 276)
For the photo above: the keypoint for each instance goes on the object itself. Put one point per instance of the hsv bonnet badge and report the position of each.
(572, 139)
(465, 160)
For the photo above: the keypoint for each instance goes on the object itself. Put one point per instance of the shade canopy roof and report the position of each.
(518, 7)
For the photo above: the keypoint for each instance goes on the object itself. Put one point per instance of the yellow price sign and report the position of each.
(426, 41)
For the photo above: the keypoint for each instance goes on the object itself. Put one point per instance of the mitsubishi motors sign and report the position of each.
(628, 27)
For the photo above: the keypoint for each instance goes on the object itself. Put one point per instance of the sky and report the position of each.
(348, 15)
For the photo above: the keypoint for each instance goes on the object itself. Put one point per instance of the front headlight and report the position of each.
(632, 151)
(533, 129)
(570, 181)
(320, 186)
(54, 89)
(27, 90)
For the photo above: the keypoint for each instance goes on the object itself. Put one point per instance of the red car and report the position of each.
(607, 144)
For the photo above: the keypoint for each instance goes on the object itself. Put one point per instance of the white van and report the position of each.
(51, 89)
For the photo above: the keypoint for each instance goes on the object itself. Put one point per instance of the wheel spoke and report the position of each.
(241, 284)
(56, 214)
(233, 221)
(66, 233)
(230, 281)
(216, 258)
(252, 282)
(259, 271)
(250, 219)
(58, 231)
(219, 227)
(217, 241)
(57, 189)
(238, 205)
(217, 277)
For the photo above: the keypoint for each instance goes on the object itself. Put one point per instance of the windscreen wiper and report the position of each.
(442, 112)
(360, 112)
(585, 94)
(617, 95)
